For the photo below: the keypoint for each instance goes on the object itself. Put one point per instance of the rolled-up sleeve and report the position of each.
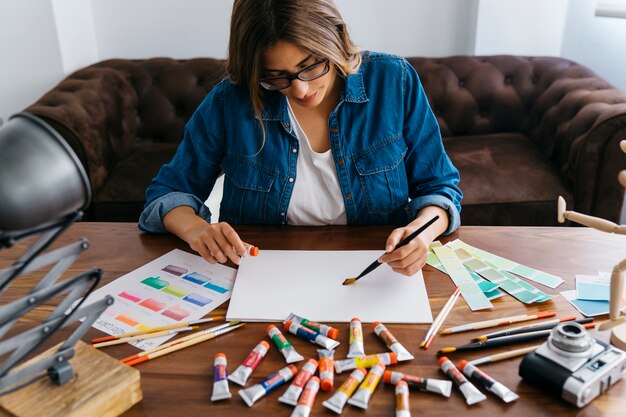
(433, 180)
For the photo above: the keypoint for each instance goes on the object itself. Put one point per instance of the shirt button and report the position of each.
(287, 126)
(334, 130)
(282, 222)
(294, 150)
(282, 214)
(348, 196)
(291, 180)
(340, 162)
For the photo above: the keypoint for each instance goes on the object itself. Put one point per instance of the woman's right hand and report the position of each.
(216, 242)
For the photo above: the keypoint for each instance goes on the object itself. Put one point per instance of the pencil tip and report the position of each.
(447, 350)
(422, 344)
(445, 332)
(349, 281)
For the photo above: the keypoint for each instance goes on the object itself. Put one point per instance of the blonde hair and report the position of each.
(313, 25)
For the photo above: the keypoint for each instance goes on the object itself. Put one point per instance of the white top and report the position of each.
(316, 199)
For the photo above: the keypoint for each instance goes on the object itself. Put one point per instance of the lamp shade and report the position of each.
(41, 178)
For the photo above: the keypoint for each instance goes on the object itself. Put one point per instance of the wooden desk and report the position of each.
(180, 384)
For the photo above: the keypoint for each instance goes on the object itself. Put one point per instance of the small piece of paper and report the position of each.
(594, 287)
(589, 308)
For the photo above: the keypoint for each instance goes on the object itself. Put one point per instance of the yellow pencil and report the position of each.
(183, 345)
(143, 336)
(157, 329)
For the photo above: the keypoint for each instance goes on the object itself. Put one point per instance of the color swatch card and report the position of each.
(177, 286)
(594, 287)
(589, 308)
(470, 291)
(504, 264)
(276, 283)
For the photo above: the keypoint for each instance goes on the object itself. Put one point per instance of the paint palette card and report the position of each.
(589, 308)
(175, 287)
(593, 287)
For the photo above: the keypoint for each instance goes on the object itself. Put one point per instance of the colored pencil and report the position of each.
(157, 329)
(441, 317)
(498, 322)
(376, 264)
(549, 324)
(177, 341)
(182, 345)
(504, 355)
(504, 340)
(143, 336)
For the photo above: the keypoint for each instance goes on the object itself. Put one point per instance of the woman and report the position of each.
(308, 131)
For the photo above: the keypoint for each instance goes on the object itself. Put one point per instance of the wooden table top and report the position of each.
(181, 383)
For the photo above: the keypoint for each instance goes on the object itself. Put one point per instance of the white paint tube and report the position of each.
(357, 347)
(402, 400)
(291, 395)
(305, 404)
(487, 382)
(316, 327)
(310, 335)
(388, 358)
(243, 371)
(391, 342)
(220, 383)
(362, 396)
(269, 384)
(470, 392)
(288, 351)
(437, 386)
(339, 399)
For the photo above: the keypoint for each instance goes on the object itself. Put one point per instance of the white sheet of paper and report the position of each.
(276, 283)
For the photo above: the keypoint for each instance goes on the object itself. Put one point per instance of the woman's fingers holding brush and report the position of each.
(408, 259)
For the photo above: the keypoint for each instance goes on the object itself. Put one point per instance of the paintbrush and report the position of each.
(403, 242)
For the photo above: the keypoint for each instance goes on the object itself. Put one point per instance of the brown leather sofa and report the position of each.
(521, 130)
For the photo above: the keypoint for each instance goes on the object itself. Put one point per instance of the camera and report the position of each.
(573, 365)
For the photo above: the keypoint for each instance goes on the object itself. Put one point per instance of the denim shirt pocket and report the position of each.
(246, 191)
(383, 176)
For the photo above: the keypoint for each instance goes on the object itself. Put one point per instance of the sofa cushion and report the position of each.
(504, 179)
(125, 189)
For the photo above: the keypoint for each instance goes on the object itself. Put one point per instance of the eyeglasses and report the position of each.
(310, 73)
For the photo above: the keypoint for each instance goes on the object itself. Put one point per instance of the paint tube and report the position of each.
(243, 371)
(402, 400)
(339, 399)
(220, 383)
(357, 348)
(316, 327)
(310, 335)
(305, 404)
(291, 395)
(362, 396)
(288, 351)
(437, 386)
(387, 358)
(391, 342)
(327, 368)
(487, 382)
(470, 392)
(269, 384)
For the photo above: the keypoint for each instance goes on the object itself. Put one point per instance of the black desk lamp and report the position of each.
(43, 190)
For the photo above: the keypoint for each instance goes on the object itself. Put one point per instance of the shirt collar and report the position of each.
(275, 107)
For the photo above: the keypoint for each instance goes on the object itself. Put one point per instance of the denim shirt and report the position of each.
(384, 139)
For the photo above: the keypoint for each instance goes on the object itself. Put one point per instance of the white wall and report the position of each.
(30, 61)
(520, 27)
(41, 41)
(597, 42)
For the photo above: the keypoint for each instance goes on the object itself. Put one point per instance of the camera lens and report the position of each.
(571, 337)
